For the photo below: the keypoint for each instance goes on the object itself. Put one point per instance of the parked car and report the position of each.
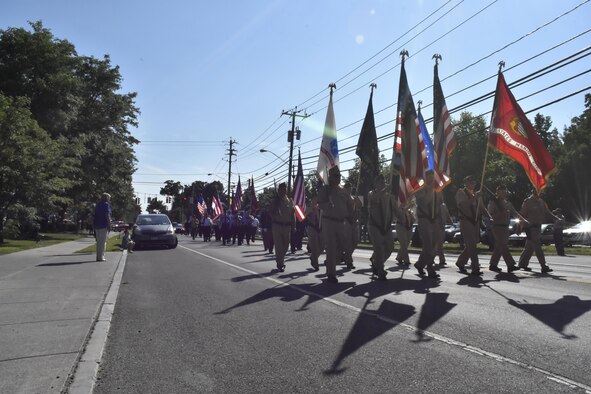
(579, 234)
(547, 237)
(451, 230)
(154, 229)
(119, 226)
(178, 228)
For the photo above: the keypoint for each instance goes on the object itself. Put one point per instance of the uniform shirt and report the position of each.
(467, 204)
(501, 211)
(429, 205)
(381, 207)
(281, 210)
(335, 203)
(535, 210)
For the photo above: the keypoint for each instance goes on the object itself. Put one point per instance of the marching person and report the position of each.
(315, 241)
(501, 212)
(558, 231)
(351, 227)
(381, 208)
(336, 207)
(281, 212)
(266, 231)
(405, 219)
(535, 210)
(429, 216)
(440, 234)
(470, 206)
(206, 223)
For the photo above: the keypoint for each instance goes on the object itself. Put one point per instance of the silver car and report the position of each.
(154, 229)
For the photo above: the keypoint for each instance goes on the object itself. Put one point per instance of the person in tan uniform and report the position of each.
(535, 210)
(405, 218)
(351, 227)
(440, 234)
(469, 203)
(501, 212)
(315, 241)
(381, 210)
(429, 216)
(336, 207)
(281, 211)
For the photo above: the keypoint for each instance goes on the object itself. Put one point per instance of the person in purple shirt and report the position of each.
(102, 224)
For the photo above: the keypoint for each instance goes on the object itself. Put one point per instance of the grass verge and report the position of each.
(18, 245)
(113, 245)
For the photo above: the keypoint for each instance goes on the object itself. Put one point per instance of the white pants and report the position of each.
(101, 243)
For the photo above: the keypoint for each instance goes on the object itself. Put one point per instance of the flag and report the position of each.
(216, 207)
(201, 205)
(443, 135)
(428, 155)
(512, 134)
(329, 149)
(299, 192)
(368, 152)
(407, 162)
(254, 204)
(237, 198)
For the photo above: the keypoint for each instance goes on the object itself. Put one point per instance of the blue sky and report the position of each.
(208, 71)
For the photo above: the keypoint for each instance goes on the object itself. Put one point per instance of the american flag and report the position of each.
(201, 206)
(237, 200)
(443, 135)
(216, 206)
(299, 192)
(408, 142)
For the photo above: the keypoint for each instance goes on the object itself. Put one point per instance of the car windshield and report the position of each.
(152, 220)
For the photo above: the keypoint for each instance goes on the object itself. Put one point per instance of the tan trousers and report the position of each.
(501, 234)
(281, 234)
(333, 233)
(532, 245)
(383, 245)
(101, 242)
(428, 234)
(404, 237)
(316, 244)
(471, 236)
(351, 240)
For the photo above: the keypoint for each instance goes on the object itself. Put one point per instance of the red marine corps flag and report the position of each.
(512, 134)
(299, 192)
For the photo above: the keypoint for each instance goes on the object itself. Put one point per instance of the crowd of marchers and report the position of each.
(333, 220)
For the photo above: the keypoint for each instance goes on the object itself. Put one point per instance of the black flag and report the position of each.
(367, 150)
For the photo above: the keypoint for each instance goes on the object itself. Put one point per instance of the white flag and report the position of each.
(329, 149)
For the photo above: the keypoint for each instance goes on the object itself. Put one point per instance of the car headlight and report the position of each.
(170, 230)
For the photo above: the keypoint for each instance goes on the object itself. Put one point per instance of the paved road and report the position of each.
(206, 318)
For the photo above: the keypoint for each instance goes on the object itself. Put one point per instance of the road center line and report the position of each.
(452, 342)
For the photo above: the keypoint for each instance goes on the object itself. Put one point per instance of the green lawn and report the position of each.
(113, 245)
(17, 245)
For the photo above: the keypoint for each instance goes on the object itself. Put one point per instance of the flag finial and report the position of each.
(332, 87)
(437, 58)
(420, 102)
(373, 86)
(501, 65)
(403, 53)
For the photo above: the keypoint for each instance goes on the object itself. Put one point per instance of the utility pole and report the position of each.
(290, 137)
(231, 152)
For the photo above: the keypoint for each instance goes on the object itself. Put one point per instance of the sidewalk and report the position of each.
(50, 299)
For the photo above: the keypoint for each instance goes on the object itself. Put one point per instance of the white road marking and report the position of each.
(452, 342)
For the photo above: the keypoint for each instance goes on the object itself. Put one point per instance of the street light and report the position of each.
(273, 153)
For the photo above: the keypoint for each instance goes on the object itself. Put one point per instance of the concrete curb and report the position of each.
(84, 373)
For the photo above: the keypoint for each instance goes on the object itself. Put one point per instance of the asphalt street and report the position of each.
(207, 318)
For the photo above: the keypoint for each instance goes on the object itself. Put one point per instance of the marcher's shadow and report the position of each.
(369, 326)
(475, 281)
(319, 291)
(284, 293)
(558, 314)
(67, 263)
(434, 308)
(507, 277)
(251, 276)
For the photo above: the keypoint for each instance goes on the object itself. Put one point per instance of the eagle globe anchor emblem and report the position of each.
(517, 127)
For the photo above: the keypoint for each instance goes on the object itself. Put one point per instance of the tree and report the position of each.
(28, 159)
(156, 206)
(76, 100)
(573, 177)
